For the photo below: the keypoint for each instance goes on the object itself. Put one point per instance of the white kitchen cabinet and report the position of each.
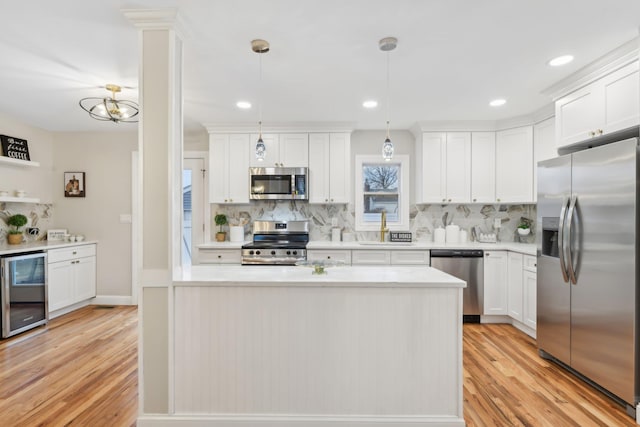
(544, 147)
(370, 257)
(529, 277)
(219, 256)
(515, 292)
(514, 165)
(410, 258)
(71, 275)
(229, 168)
(282, 150)
(339, 255)
(329, 167)
(604, 106)
(443, 164)
(495, 283)
(483, 167)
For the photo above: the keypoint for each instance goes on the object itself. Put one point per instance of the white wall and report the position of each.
(106, 160)
(37, 182)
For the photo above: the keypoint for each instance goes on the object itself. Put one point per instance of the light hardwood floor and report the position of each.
(81, 370)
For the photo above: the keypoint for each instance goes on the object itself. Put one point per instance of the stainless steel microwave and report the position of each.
(278, 184)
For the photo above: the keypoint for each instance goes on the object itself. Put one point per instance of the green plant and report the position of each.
(524, 225)
(220, 220)
(16, 221)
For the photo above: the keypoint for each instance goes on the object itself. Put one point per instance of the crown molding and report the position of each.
(606, 64)
(156, 19)
(302, 127)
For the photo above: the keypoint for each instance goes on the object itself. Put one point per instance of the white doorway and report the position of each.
(194, 215)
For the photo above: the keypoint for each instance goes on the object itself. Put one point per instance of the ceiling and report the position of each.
(453, 57)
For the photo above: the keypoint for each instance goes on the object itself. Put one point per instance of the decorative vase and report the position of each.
(14, 239)
(221, 236)
(524, 231)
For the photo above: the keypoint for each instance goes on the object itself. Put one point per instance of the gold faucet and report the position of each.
(383, 225)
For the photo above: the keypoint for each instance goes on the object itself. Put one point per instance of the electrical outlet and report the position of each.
(497, 223)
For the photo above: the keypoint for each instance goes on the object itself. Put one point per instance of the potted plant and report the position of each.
(220, 219)
(15, 234)
(524, 228)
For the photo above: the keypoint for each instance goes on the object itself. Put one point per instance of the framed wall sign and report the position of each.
(56, 234)
(74, 184)
(15, 148)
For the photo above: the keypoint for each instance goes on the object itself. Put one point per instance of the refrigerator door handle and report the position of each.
(570, 266)
(561, 240)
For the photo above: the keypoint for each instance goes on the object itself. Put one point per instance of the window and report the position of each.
(382, 186)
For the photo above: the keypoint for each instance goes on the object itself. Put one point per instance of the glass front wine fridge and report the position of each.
(24, 292)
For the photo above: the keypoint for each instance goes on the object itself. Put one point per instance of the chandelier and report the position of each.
(111, 109)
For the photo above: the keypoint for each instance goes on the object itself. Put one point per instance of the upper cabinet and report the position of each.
(544, 147)
(283, 150)
(229, 168)
(329, 167)
(443, 167)
(514, 165)
(483, 167)
(604, 106)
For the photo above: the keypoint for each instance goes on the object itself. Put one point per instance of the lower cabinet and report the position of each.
(371, 257)
(495, 283)
(515, 286)
(219, 256)
(530, 284)
(71, 275)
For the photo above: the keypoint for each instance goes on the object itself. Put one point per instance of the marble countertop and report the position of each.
(44, 245)
(527, 249)
(358, 276)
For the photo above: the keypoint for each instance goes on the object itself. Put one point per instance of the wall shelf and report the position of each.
(17, 162)
(19, 199)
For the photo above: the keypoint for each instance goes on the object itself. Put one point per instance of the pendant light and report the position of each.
(260, 46)
(110, 109)
(387, 44)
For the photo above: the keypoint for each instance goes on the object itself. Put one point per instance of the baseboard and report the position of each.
(112, 300)
(297, 421)
(69, 309)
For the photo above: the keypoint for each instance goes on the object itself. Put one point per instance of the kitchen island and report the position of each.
(280, 346)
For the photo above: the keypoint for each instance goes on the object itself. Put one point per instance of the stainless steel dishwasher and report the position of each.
(468, 265)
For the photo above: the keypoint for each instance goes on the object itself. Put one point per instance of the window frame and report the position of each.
(402, 224)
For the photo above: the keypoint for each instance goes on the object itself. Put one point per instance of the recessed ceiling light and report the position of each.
(244, 105)
(370, 104)
(498, 102)
(561, 60)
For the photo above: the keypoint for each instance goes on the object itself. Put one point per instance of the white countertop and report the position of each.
(360, 276)
(527, 249)
(44, 245)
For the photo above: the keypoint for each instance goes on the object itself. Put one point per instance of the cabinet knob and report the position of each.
(444, 200)
(328, 256)
(600, 131)
(592, 133)
(326, 200)
(231, 200)
(74, 252)
(474, 200)
(449, 199)
(486, 254)
(225, 200)
(219, 256)
(498, 200)
(332, 200)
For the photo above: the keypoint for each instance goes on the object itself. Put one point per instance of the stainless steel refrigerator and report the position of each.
(587, 265)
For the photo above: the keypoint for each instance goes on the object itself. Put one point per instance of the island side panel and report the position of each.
(326, 351)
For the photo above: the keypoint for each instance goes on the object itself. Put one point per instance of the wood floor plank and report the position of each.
(81, 370)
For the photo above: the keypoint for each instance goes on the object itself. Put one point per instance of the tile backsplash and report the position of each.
(423, 218)
(38, 216)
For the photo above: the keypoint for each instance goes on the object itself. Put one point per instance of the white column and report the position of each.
(160, 203)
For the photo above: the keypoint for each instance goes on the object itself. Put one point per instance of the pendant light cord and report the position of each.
(388, 95)
(260, 97)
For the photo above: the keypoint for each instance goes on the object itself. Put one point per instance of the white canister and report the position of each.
(463, 236)
(236, 233)
(335, 234)
(438, 235)
(452, 233)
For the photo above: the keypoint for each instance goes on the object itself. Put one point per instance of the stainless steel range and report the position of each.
(277, 243)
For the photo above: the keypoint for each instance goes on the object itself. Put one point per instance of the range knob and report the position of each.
(295, 252)
(257, 252)
(251, 252)
(288, 252)
(273, 252)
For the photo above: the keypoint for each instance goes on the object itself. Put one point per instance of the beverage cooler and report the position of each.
(24, 292)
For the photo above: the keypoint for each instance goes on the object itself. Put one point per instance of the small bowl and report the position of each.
(4, 193)
(79, 238)
(20, 193)
(72, 238)
(524, 231)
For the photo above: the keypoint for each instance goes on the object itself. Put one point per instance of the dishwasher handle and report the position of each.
(457, 253)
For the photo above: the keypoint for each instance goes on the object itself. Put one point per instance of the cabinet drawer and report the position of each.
(530, 263)
(219, 256)
(337, 255)
(410, 257)
(370, 257)
(72, 252)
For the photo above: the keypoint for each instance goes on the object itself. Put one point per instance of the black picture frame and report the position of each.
(74, 184)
